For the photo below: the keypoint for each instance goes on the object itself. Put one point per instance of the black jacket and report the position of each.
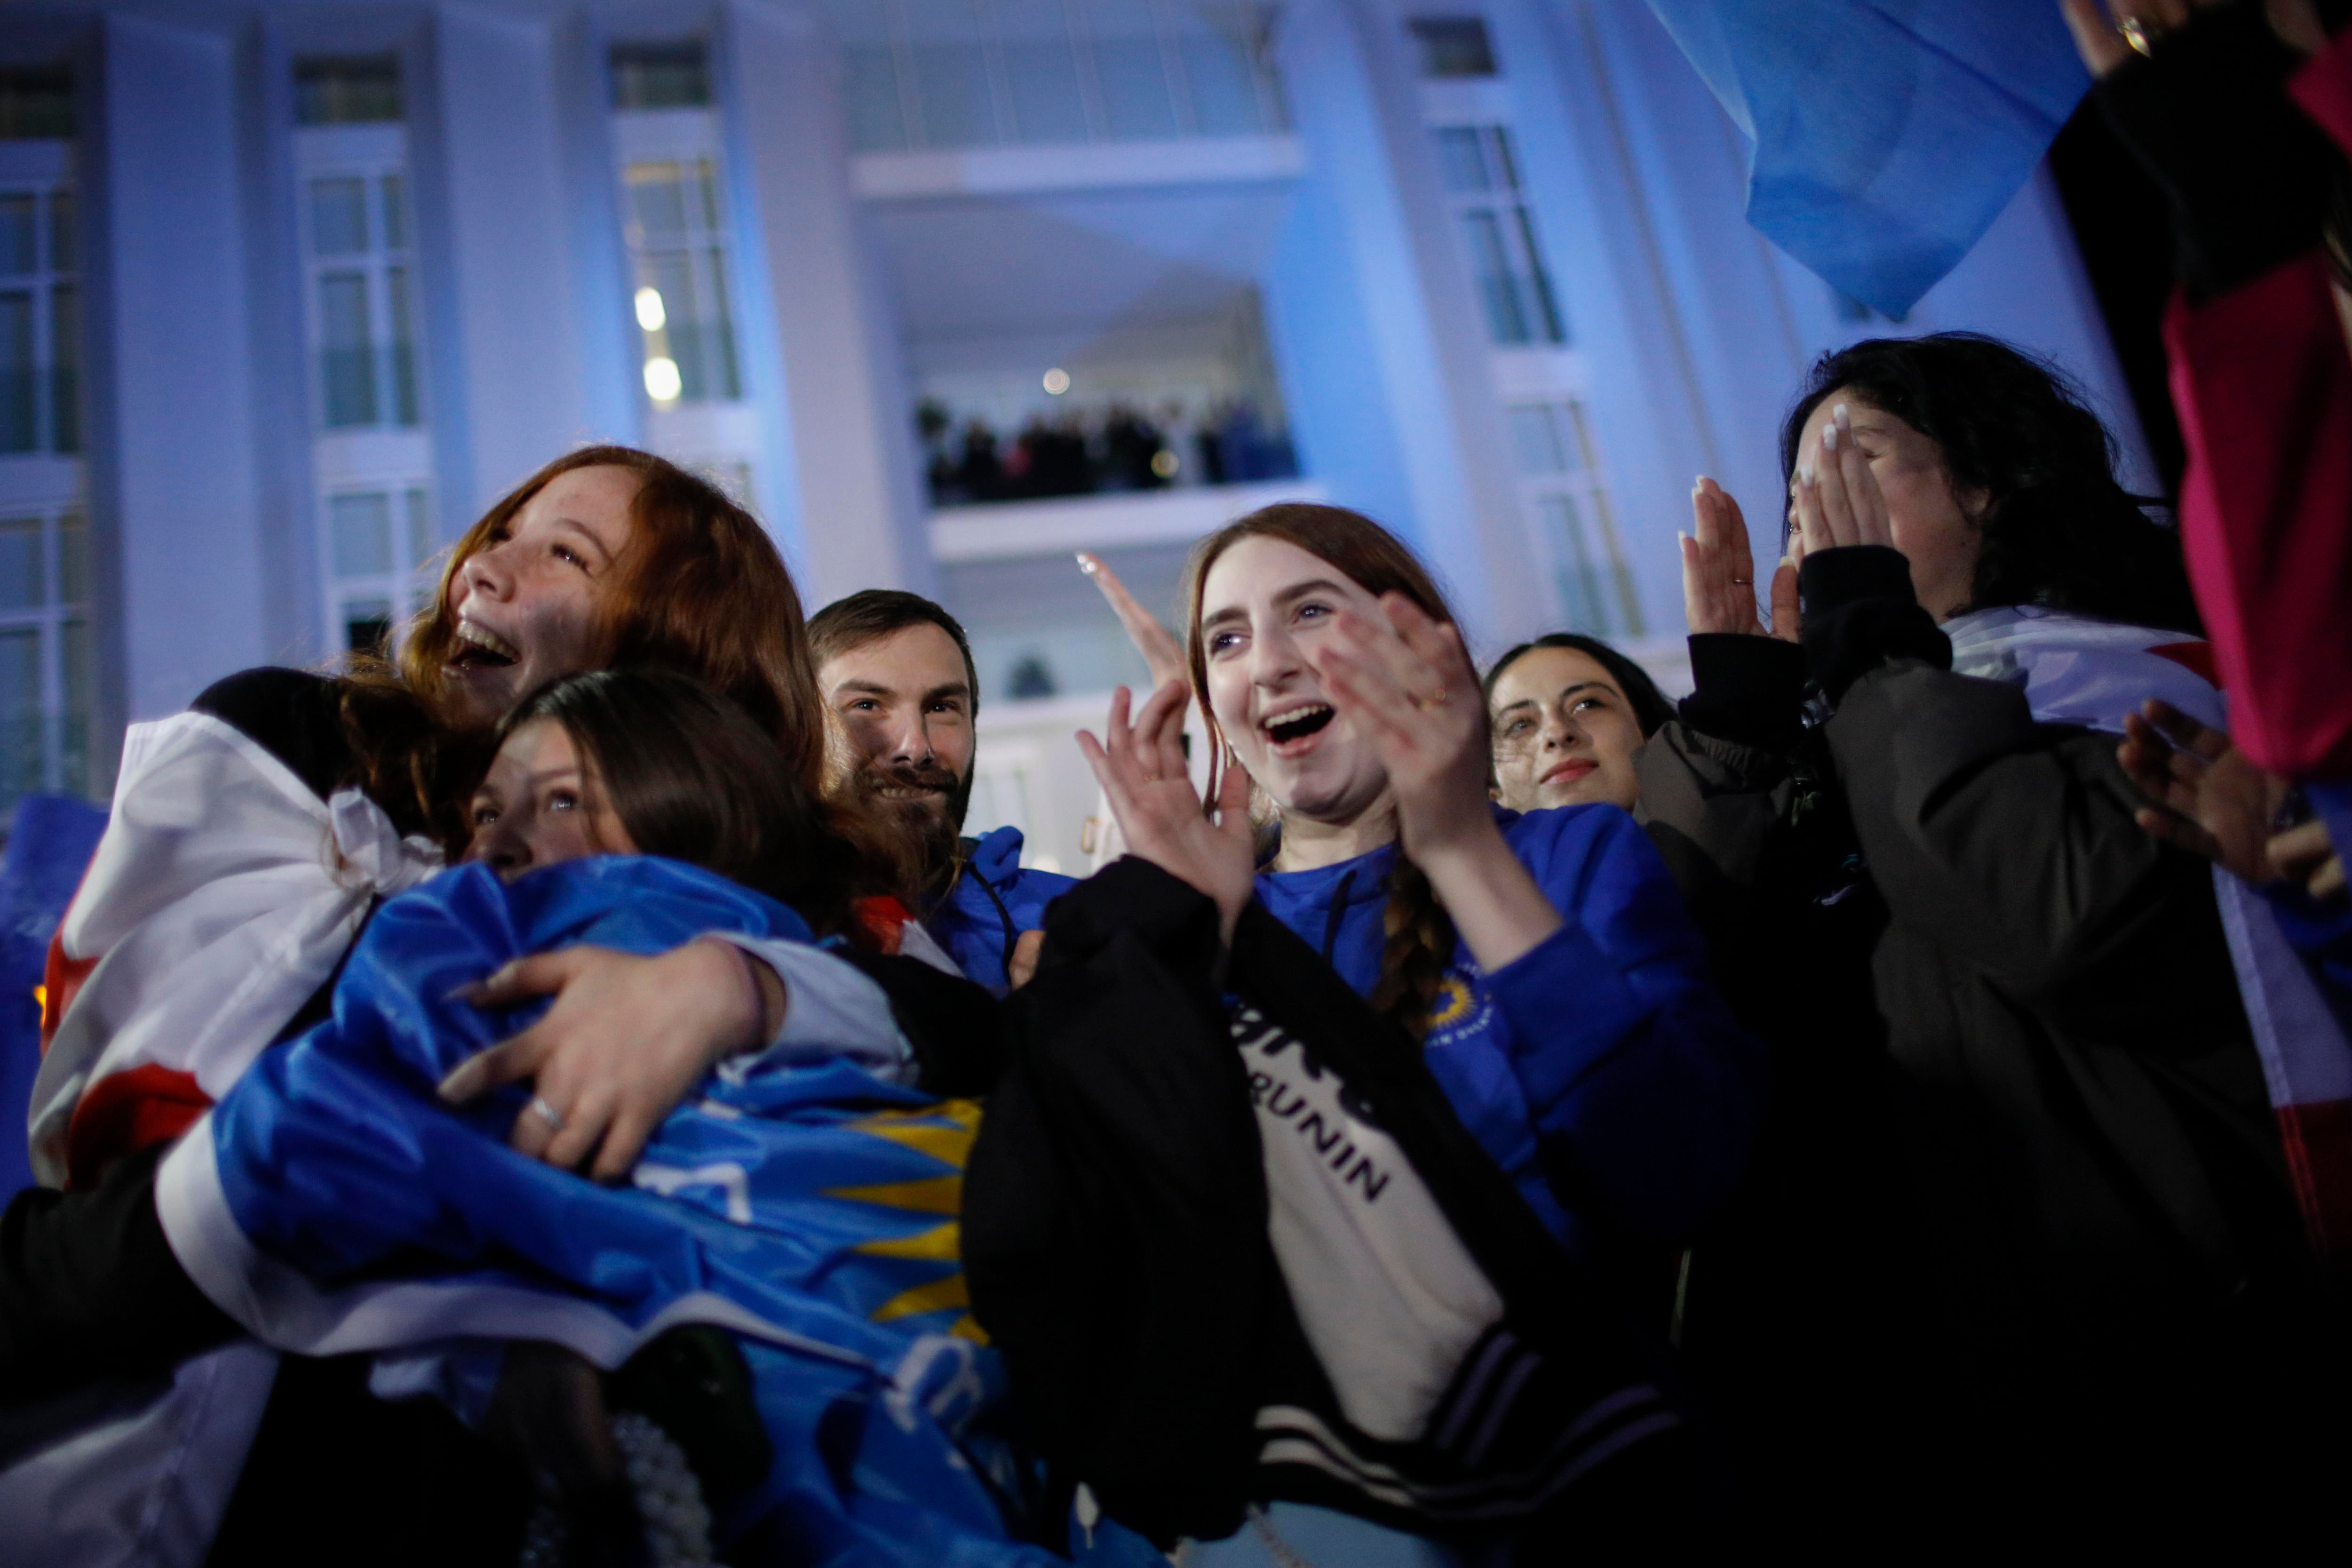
(2080, 1258)
(1115, 1237)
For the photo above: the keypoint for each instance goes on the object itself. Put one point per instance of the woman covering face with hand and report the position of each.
(1543, 963)
(2053, 1176)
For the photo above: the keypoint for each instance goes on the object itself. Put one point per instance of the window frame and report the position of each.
(51, 620)
(1530, 294)
(54, 405)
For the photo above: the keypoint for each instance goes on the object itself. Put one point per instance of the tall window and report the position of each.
(356, 223)
(40, 318)
(1481, 173)
(1576, 535)
(374, 506)
(378, 541)
(677, 240)
(676, 222)
(47, 685)
(1452, 48)
(47, 666)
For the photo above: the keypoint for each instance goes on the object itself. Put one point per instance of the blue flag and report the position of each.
(1886, 135)
(50, 840)
(338, 1204)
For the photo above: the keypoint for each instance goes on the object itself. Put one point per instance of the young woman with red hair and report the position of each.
(249, 840)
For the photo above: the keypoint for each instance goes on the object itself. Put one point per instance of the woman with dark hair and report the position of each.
(2025, 1124)
(1540, 962)
(731, 1290)
(1569, 714)
(249, 841)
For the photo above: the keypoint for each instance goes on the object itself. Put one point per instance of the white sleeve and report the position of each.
(831, 1009)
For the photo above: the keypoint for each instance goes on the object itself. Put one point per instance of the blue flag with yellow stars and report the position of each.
(1886, 135)
(333, 1203)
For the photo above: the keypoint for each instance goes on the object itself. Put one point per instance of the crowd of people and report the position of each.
(1083, 451)
(572, 1092)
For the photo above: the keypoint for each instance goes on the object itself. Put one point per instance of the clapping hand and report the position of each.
(1403, 682)
(1142, 770)
(1718, 592)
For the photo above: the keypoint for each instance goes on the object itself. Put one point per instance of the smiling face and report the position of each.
(1265, 606)
(1934, 524)
(1564, 733)
(899, 731)
(525, 604)
(541, 804)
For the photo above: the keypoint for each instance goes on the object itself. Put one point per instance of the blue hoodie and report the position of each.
(1604, 1051)
(993, 900)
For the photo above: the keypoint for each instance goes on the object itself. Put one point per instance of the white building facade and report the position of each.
(943, 290)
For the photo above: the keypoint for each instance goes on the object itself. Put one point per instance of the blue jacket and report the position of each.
(1605, 1051)
(993, 902)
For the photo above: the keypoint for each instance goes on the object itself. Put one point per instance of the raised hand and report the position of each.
(1162, 653)
(2209, 800)
(1718, 587)
(1142, 771)
(626, 1039)
(1837, 499)
(1404, 683)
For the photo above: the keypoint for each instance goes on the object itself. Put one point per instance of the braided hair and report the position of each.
(1418, 934)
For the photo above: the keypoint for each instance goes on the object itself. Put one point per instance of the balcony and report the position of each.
(1107, 524)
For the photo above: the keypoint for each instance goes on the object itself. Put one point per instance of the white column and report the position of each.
(845, 503)
(1402, 420)
(177, 397)
(514, 364)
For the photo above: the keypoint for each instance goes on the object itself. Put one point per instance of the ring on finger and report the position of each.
(2138, 34)
(1743, 582)
(545, 1110)
(1430, 702)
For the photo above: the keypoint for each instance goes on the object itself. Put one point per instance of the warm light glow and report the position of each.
(1057, 381)
(662, 383)
(650, 314)
(1163, 463)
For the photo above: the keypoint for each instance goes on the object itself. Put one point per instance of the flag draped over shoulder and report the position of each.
(330, 1202)
(2076, 670)
(1886, 135)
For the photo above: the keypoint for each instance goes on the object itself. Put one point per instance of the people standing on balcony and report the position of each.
(900, 695)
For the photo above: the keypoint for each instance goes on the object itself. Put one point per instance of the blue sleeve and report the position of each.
(1645, 1095)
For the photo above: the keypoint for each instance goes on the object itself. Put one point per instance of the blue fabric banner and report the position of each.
(1886, 135)
(811, 1208)
(50, 840)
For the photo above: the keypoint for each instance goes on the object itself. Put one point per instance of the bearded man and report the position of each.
(900, 695)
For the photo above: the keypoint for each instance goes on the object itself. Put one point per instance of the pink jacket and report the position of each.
(2262, 381)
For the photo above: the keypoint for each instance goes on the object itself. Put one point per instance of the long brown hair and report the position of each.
(693, 778)
(1418, 934)
(699, 588)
